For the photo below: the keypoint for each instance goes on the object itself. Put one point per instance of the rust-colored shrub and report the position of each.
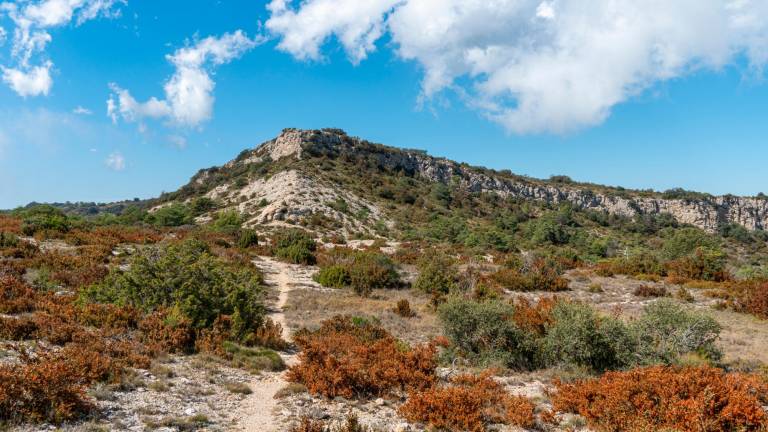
(650, 291)
(309, 425)
(269, 335)
(539, 276)
(10, 224)
(469, 403)
(403, 308)
(755, 300)
(108, 316)
(689, 399)
(16, 296)
(162, 333)
(17, 328)
(45, 387)
(534, 318)
(345, 358)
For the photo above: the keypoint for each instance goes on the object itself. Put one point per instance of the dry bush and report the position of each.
(309, 425)
(345, 358)
(534, 318)
(165, 334)
(403, 308)
(269, 335)
(49, 386)
(689, 399)
(469, 403)
(108, 316)
(85, 267)
(10, 224)
(539, 276)
(17, 329)
(16, 296)
(650, 291)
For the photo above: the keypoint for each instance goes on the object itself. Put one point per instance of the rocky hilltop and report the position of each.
(288, 191)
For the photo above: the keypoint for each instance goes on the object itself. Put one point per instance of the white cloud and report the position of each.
(356, 24)
(532, 65)
(115, 161)
(32, 21)
(30, 82)
(82, 111)
(189, 92)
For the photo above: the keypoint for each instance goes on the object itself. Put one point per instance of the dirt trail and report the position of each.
(257, 411)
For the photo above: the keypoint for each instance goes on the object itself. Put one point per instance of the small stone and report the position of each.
(189, 411)
(379, 402)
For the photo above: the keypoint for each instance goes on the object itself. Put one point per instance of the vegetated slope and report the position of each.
(325, 178)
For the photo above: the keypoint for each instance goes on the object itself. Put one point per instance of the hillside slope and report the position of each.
(289, 179)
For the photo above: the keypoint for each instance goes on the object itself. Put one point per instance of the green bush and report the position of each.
(485, 333)
(247, 238)
(172, 215)
(228, 221)
(8, 239)
(667, 330)
(437, 275)
(334, 276)
(44, 218)
(681, 242)
(580, 336)
(295, 246)
(189, 281)
(370, 270)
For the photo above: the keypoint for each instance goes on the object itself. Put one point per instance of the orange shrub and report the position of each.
(690, 399)
(650, 291)
(46, 387)
(269, 335)
(10, 224)
(534, 318)
(349, 359)
(16, 329)
(540, 276)
(162, 334)
(403, 308)
(16, 296)
(468, 404)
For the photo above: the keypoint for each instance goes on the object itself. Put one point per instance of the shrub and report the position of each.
(666, 331)
(44, 218)
(437, 275)
(247, 238)
(189, 281)
(16, 296)
(347, 358)
(8, 239)
(534, 318)
(48, 387)
(295, 246)
(704, 264)
(690, 399)
(351, 425)
(683, 241)
(468, 404)
(334, 276)
(370, 270)
(636, 264)
(538, 276)
(579, 335)
(403, 308)
(755, 301)
(270, 335)
(228, 221)
(172, 215)
(650, 291)
(486, 333)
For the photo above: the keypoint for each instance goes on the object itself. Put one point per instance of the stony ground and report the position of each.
(202, 393)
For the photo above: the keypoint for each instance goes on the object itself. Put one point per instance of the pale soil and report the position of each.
(257, 412)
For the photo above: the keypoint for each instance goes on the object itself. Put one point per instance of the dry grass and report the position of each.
(308, 308)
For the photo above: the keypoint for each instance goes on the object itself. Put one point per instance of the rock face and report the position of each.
(706, 213)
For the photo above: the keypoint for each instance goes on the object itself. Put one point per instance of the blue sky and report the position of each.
(691, 114)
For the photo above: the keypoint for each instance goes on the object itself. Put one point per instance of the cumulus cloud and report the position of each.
(32, 22)
(531, 65)
(189, 96)
(34, 81)
(115, 161)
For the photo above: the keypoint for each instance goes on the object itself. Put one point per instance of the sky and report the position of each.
(104, 100)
